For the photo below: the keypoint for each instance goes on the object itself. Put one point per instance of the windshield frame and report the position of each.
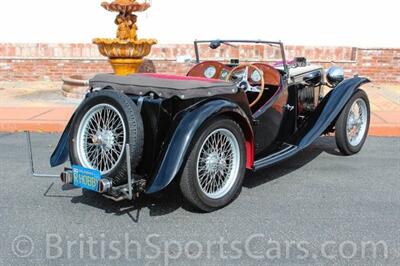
(267, 43)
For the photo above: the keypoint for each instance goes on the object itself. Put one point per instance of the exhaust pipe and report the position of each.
(105, 185)
(67, 177)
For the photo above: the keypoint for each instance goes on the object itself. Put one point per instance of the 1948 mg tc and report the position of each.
(136, 134)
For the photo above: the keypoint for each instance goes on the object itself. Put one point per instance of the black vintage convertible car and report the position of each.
(136, 134)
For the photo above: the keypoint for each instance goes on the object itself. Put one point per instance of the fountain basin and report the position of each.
(76, 86)
(125, 6)
(132, 49)
(126, 56)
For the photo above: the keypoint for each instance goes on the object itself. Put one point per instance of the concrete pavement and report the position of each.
(318, 208)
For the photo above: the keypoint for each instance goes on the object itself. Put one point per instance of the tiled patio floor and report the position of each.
(20, 112)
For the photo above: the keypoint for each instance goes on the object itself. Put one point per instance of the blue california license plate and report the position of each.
(86, 178)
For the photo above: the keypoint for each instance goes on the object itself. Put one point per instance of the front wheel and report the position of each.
(353, 124)
(214, 172)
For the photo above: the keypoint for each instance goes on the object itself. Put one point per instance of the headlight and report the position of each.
(335, 75)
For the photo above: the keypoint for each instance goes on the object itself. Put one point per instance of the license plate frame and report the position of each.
(86, 178)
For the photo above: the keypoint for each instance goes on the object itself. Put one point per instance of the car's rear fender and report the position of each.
(327, 112)
(61, 153)
(176, 152)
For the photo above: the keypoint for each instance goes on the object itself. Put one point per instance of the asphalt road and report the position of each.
(317, 208)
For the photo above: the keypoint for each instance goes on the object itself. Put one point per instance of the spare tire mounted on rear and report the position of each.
(108, 121)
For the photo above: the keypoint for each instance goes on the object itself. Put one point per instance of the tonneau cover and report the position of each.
(165, 86)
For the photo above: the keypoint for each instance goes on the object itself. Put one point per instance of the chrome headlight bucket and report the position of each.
(335, 75)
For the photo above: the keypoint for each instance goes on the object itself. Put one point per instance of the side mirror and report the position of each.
(215, 44)
(335, 75)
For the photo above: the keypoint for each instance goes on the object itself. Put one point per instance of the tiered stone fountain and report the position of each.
(126, 51)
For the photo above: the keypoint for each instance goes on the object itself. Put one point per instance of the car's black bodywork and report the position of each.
(273, 133)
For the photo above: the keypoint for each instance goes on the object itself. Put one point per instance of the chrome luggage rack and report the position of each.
(119, 193)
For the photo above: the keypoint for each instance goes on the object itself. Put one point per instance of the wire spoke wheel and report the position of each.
(218, 163)
(352, 125)
(101, 138)
(357, 122)
(214, 171)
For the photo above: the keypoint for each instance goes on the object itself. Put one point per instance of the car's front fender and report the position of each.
(327, 112)
(178, 147)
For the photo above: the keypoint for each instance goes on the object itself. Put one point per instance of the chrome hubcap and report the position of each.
(357, 122)
(104, 138)
(101, 138)
(218, 163)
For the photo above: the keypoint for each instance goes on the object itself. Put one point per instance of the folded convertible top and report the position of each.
(164, 85)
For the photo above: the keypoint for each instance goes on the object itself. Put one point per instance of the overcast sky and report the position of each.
(368, 23)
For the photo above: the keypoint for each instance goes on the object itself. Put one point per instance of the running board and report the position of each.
(286, 152)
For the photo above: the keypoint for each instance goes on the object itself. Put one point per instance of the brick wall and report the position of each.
(30, 62)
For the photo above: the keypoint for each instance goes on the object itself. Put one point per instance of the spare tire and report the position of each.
(106, 122)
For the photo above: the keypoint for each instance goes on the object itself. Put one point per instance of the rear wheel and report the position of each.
(214, 172)
(108, 121)
(352, 127)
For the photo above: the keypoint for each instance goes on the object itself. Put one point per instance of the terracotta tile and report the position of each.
(383, 103)
(375, 107)
(375, 119)
(384, 130)
(389, 117)
(56, 114)
(33, 126)
(17, 113)
(53, 119)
